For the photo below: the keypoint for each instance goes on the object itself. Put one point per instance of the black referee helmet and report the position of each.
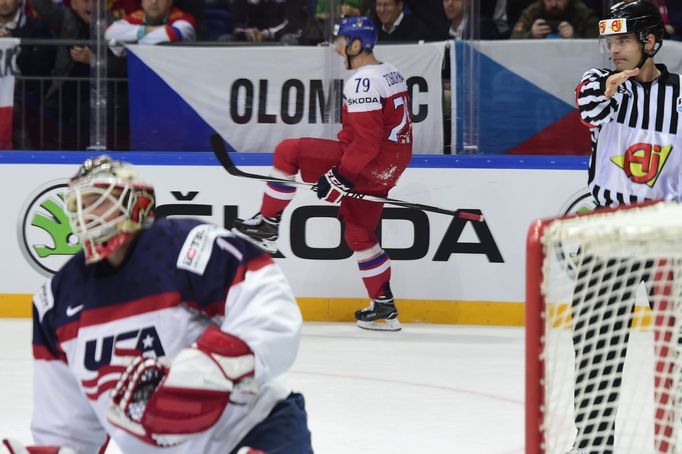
(641, 18)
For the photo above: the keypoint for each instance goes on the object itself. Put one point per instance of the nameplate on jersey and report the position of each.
(612, 27)
(196, 251)
(43, 300)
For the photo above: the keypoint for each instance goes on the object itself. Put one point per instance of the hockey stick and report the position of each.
(223, 156)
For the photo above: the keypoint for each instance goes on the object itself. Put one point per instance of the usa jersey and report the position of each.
(636, 141)
(179, 277)
(376, 138)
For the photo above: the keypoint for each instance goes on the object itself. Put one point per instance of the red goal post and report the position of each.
(589, 281)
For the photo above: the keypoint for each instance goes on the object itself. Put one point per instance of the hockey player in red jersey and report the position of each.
(373, 149)
(165, 335)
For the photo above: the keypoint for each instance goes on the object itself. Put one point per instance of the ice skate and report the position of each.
(259, 229)
(381, 315)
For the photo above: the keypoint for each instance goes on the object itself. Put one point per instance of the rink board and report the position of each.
(445, 270)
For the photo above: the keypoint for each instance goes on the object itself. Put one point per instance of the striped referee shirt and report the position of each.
(636, 137)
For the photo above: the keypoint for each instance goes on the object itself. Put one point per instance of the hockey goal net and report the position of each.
(603, 303)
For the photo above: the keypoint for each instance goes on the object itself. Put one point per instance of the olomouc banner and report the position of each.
(257, 96)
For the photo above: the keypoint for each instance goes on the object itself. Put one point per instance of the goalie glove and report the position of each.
(332, 186)
(165, 404)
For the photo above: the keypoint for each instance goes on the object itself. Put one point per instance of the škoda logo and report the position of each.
(45, 236)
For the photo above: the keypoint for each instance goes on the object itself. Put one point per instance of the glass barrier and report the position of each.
(469, 94)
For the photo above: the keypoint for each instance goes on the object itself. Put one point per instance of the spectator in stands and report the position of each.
(116, 8)
(67, 101)
(31, 61)
(347, 8)
(318, 26)
(267, 20)
(158, 21)
(499, 17)
(557, 19)
(72, 22)
(396, 26)
(458, 13)
(195, 8)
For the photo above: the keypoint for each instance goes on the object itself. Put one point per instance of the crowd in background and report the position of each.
(306, 21)
(61, 97)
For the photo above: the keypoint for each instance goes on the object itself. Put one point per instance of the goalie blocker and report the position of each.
(163, 403)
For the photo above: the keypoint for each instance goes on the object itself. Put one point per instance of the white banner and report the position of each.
(434, 257)
(257, 96)
(8, 52)
(8, 67)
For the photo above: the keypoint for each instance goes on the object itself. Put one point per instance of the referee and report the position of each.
(633, 112)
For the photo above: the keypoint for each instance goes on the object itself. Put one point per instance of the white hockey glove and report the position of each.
(10, 446)
(332, 186)
(164, 405)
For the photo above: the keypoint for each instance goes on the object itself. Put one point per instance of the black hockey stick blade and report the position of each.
(223, 156)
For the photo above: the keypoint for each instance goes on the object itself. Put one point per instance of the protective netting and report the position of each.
(610, 353)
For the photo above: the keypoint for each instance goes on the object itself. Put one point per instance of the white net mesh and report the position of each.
(612, 291)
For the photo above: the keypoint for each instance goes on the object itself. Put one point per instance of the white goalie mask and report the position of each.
(106, 203)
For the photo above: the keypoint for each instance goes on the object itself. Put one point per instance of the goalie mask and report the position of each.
(106, 204)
